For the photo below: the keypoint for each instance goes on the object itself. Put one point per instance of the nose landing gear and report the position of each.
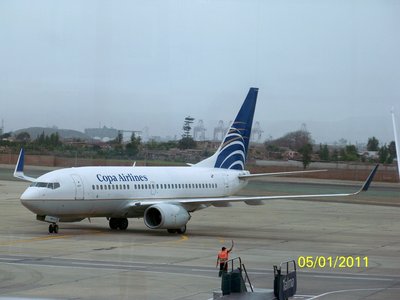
(53, 228)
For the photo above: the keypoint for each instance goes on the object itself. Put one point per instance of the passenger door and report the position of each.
(78, 186)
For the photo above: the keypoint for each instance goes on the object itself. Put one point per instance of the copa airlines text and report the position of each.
(121, 177)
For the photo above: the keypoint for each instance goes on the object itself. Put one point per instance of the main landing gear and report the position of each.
(118, 223)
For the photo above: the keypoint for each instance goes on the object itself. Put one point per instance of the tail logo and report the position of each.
(232, 154)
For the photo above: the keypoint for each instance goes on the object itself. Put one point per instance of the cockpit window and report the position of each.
(49, 185)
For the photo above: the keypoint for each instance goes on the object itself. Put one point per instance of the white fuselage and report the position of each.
(76, 193)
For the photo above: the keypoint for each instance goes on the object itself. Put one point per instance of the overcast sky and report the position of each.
(333, 65)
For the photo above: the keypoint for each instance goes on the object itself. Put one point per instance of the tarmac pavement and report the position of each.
(89, 261)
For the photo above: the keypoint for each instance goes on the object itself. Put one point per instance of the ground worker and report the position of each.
(222, 258)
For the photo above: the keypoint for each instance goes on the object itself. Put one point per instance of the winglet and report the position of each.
(19, 168)
(21, 161)
(369, 179)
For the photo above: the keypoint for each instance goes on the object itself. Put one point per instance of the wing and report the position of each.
(191, 204)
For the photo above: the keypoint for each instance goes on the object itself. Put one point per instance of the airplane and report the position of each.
(164, 197)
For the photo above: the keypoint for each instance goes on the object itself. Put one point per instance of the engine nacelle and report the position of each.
(165, 216)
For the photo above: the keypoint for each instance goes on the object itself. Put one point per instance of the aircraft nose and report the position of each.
(26, 195)
(27, 199)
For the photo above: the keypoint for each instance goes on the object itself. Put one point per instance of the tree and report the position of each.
(306, 152)
(349, 153)
(187, 142)
(324, 152)
(384, 155)
(392, 149)
(373, 144)
(23, 137)
(118, 140)
(41, 139)
(133, 147)
(186, 127)
(54, 139)
(335, 155)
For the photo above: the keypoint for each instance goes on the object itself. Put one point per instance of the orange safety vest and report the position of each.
(223, 255)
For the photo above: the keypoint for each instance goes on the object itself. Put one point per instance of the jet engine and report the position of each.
(165, 216)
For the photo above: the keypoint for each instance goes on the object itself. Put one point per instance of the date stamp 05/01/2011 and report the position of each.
(332, 262)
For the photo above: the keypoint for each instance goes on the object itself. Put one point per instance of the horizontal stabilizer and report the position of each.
(250, 176)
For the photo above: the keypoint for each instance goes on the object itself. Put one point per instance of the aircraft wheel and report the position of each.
(171, 230)
(113, 223)
(53, 228)
(123, 224)
(181, 230)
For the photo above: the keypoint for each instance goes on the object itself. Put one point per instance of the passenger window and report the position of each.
(120, 186)
(93, 187)
(127, 186)
(169, 186)
(101, 187)
(124, 187)
(105, 187)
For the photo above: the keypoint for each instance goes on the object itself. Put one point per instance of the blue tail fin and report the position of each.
(233, 150)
